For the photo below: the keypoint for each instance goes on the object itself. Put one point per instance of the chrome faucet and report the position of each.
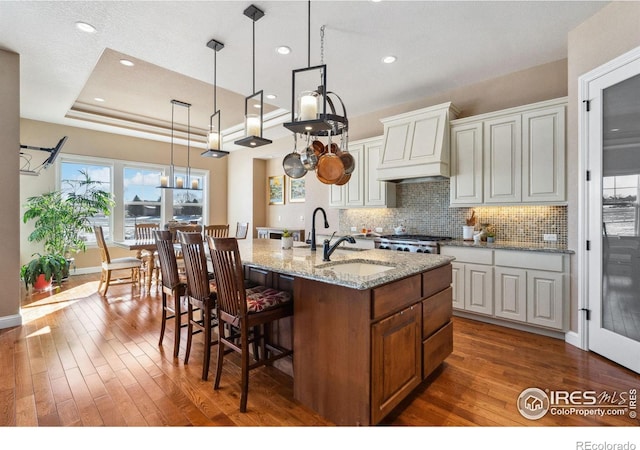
(313, 226)
(328, 250)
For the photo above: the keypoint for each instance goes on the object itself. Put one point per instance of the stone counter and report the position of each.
(511, 245)
(301, 262)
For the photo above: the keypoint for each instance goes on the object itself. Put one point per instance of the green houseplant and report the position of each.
(40, 271)
(286, 239)
(62, 216)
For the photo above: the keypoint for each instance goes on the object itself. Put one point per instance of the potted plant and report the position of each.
(41, 271)
(286, 239)
(62, 216)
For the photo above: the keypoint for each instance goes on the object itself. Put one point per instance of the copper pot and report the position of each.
(330, 168)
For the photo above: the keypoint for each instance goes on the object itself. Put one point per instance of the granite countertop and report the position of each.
(511, 245)
(301, 262)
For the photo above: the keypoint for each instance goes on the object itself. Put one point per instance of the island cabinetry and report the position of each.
(437, 310)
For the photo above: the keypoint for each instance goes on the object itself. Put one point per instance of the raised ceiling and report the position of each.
(438, 45)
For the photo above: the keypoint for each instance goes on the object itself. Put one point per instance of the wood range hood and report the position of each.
(416, 145)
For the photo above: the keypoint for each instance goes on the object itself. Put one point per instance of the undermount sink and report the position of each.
(358, 268)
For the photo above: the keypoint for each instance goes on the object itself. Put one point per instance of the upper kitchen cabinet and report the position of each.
(513, 156)
(363, 188)
(416, 144)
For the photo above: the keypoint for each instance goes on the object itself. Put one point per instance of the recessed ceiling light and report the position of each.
(126, 62)
(99, 99)
(283, 50)
(257, 106)
(389, 59)
(272, 96)
(615, 129)
(86, 27)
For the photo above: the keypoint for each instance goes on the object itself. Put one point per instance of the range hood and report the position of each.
(416, 145)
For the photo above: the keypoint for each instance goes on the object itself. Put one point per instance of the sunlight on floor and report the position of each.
(51, 303)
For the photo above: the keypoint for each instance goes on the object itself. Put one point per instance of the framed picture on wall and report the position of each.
(296, 190)
(276, 190)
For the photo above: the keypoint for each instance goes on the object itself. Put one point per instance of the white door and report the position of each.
(613, 130)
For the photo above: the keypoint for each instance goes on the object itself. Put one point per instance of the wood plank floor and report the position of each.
(83, 360)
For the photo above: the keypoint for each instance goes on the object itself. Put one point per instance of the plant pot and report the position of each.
(467, 232)
(286, 242)
(42, 284)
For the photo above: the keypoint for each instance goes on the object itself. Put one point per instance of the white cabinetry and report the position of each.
(520, 286)
(512, 156)
(363, 188)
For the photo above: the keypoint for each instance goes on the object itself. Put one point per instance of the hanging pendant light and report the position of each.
(309, 114)
(253, 104)
(214, 137)
(173, 181)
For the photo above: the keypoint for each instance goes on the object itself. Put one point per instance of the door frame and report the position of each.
(584, 164)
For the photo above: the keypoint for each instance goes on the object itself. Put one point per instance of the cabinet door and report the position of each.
(466, 164)
(355, 185)
(337, 195)
(510, 293)
(457, 284)
(545, 298)
(543, 155)
(502, 159)
(478, 288)
(396, 361)
(376, 191)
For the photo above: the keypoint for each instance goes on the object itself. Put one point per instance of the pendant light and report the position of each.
(252, 118)
(309, 114)
(214, 137)
(172, 181)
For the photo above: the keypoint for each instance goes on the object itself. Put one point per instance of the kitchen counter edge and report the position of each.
(510, 245)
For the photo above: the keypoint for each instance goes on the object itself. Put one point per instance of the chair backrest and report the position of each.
(228, 271)
(102, 245)
(242, 229)
(216, 230)
(185, 228)
(144, 231)
(167, 257)
(195, 263)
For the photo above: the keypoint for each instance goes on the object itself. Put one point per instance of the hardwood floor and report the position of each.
(83, 360)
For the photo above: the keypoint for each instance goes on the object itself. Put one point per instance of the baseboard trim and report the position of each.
(85, 270)
(14, 320)
(516, 326)
(571, 337)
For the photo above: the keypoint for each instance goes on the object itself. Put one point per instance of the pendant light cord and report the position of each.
(215, 82)
(309, 34)
(254, 54)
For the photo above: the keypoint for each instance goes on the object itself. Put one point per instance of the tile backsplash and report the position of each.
(423, 208)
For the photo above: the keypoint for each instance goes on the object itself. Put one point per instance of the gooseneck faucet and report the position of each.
(328, 250)
(313, 226)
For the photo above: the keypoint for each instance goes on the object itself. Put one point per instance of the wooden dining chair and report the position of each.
(242, 229)
(216, 230)
(201, 295)
(244, 314)
(150, 261)
(110, 265)
(172, 285)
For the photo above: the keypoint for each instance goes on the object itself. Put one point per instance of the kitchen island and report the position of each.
(368, 327)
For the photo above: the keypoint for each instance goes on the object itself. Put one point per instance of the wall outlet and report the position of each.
(378, 229)
(354, 229)
(279, 217)
(550, 237)
(301, 218)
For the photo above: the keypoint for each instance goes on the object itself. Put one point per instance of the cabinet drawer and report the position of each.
(530, 260)
(468, 255)
(394, 296)
(436, 312)
(436, 280)
(436, 349)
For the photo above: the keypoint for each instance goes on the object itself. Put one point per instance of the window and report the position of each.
(71, 172)
(620, 205)
(188, 204)
(142, 198)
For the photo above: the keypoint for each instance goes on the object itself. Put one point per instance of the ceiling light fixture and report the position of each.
(309, 113)
(272, 96)
(126, 62)
(99, 99)
(253, 122)
(86, 27)
(389, 59)
(283, 50)
(172, 181)
(214, 138)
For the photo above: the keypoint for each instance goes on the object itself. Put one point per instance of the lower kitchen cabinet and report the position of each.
(519, 286)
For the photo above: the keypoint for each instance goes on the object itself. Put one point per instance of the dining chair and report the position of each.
(172, 285)
(216, 230)
(201, 295)
(150, 261)
(244, 314)
(242, 229)
(110, 265)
